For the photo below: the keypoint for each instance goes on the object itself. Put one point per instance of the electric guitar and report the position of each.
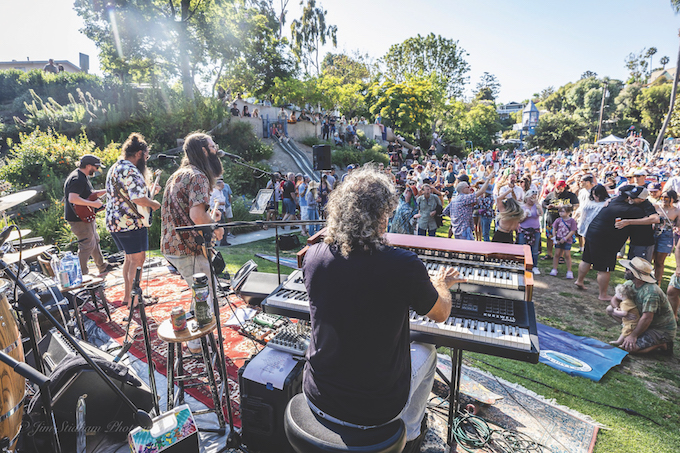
(145, 212)
(87, 213)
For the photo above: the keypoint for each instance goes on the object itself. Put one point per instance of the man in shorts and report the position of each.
(657, 326)
(126, 187)
(289, 198)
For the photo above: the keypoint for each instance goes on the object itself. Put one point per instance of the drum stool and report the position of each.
(175, 366)
(309, 433)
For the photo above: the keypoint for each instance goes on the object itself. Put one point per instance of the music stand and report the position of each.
(259, 205)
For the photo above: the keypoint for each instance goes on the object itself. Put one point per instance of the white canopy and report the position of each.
(609, 139)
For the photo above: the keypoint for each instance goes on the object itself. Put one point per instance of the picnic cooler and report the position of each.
(174, 431)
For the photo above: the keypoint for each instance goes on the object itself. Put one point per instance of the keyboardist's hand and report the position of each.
(449, 276)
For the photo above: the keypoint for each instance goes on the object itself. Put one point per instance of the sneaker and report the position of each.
(107, 269)
(553, 272)
(570, 275)
(230, 236)
(536, 271)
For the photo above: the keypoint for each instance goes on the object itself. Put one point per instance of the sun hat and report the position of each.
(641, 269)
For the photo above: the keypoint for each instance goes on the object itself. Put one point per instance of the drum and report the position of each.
(12, 385)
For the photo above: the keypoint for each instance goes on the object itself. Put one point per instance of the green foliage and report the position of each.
(299, 92)
(476, 122)
(310, 33)
(50, 224)
(488, 88)
(342, 157)
(557, 130)
(241, 139)
(41, 155)
(15, 83)
(424, 56)
(653, 105)
(345, 68)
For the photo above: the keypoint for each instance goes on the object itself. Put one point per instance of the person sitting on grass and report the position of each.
(657, 326)
(564, 229)
(627, 311)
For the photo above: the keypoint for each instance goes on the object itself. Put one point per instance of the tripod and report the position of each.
(136, 294)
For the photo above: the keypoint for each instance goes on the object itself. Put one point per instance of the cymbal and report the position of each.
(9, 201)
(12, 258)
(14, 235)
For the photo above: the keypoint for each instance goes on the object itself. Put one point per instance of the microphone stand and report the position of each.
(43, 382)
(29, 301)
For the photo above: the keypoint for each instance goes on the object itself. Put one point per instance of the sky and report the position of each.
(528, 45)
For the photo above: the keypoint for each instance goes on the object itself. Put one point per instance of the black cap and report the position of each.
(91, 159)
(637, 192)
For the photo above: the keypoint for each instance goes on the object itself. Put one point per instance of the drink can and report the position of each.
(178, 319)
(64, 279)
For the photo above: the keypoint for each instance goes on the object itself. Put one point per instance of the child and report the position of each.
(564, 229)
(626, 294)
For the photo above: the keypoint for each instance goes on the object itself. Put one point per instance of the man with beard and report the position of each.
(126, 187)
(185, 202)
(77, 190)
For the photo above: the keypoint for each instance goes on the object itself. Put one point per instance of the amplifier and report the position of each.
(263, 407)
(259, 285)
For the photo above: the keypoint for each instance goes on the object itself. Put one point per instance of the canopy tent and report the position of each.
(609, 139)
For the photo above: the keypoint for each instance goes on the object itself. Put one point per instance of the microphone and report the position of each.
(5, 234)
(221, 153)
(165, 157)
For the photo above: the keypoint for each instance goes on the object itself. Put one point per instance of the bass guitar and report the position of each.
(145, 212)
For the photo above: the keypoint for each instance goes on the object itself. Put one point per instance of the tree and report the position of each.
(588, 74)
(557, 130)
(637, 65)
(423, 56)
(675, 4)
(649, 54)
(344, 67)
(664, 61)
(488, 87)
(653, 103)
(311, 32)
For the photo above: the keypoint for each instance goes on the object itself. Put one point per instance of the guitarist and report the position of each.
(77, 191)
(126, 187)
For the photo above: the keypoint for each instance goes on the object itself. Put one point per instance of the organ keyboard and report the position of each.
(480, 323)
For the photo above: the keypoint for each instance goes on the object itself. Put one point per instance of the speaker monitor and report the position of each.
(104, 409)
(322, 157)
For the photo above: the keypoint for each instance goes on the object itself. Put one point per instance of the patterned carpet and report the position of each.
(172, 291)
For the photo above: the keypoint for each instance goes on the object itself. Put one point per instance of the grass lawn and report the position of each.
(649, 385)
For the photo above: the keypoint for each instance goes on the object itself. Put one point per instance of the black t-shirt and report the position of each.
(235, 111)
(643, 234)
(359, 365)
(564, 195)
(79, 184)
(601, 230)
(288, 189)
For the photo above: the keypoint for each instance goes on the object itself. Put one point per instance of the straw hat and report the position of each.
(640, 268)
(313, 185)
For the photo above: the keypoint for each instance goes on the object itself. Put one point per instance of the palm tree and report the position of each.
(675, 4)
(664, 61)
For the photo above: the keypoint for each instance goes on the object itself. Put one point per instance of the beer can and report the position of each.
(64, 279)
(178, 318)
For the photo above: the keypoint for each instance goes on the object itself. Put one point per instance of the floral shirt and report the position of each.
(125, 176)
(186, 188)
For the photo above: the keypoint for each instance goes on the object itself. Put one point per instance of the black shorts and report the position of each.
(601, 259)
(133, 241)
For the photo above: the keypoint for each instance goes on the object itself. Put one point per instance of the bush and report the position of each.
(50, 224)
(240, 139)
(42, 155)
(344, 156)
(243, 181)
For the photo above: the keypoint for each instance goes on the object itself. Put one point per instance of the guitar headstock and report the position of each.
(157, 172)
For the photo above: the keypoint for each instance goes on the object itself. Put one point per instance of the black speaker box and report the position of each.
(105, 410)
(322, 157)
(262, 411)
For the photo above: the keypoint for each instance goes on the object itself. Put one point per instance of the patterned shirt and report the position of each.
(460, 211)
(650, 298)
(119, 217)
(186, 188)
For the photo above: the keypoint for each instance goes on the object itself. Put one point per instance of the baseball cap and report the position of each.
(350, 167)
(654, 186)
(561, 183)
(637, 192)
(91, 159)
(639, 173)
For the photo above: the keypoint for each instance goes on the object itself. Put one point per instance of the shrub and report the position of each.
(241, 139)
(40, 155)
(242, 180)
(50, 224)
(344, 156)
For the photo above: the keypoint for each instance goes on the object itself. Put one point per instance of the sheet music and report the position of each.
(270, 366)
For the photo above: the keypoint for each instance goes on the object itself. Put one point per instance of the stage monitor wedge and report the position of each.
(322, 157)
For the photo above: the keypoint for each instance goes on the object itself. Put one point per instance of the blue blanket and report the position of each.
(577, 356)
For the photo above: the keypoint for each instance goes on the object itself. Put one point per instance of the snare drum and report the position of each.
(12, 385)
